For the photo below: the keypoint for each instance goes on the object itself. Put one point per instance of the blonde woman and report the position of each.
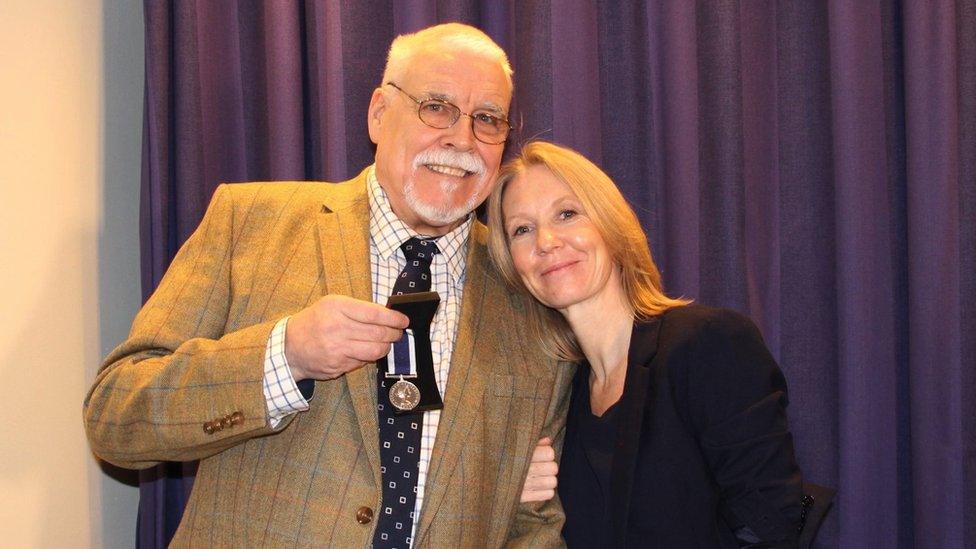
(677, 433)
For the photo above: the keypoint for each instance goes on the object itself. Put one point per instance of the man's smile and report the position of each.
(447, 170)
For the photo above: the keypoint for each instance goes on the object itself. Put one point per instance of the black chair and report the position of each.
(816, 501)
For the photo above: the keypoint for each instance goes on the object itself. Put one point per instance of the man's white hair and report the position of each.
(442, 39)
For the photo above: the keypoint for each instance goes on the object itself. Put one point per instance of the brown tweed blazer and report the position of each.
(196, 354)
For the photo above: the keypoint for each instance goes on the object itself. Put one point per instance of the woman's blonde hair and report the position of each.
(614, 220)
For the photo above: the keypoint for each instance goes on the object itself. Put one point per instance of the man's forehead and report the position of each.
(460, 76)
(484, 98)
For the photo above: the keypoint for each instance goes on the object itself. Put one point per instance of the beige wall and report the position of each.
(70, 126)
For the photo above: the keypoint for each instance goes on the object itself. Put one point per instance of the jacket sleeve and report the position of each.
(179, 388)
(540, 524)
(735, 400)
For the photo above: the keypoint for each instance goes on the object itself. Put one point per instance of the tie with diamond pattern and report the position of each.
(400, 433)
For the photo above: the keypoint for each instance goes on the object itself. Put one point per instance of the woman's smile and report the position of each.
(559, 268)
(557, 250)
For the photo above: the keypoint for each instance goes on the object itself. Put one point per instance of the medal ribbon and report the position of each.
(402, 360)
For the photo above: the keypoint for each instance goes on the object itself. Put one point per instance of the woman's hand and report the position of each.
(540, 484)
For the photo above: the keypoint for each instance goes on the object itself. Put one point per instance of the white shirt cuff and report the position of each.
(280, 390)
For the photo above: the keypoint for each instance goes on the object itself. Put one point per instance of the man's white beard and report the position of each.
(439, 215)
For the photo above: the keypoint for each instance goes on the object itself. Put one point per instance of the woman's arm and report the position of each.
(735, 402)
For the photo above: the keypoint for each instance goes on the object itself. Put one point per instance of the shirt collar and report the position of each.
(388, 231)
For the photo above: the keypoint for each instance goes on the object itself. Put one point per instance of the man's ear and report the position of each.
(374, 115)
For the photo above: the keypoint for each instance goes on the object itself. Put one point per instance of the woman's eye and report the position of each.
(566, 214)
(520, 230)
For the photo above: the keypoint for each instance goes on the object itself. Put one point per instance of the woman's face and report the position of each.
(555, 247)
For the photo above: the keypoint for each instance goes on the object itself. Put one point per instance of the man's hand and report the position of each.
(338, 334)
(540, 484)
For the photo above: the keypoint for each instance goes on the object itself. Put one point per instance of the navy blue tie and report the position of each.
(400, 433)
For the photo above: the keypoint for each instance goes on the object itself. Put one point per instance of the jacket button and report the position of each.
(208, 428)
(364, 515)
(236, 418)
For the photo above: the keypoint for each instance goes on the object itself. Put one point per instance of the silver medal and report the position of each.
(404, 395)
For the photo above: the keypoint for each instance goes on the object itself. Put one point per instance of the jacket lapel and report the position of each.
(635, 404)
(466, 384)
(343, 227)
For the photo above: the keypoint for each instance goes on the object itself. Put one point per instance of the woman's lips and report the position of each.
(559, 267)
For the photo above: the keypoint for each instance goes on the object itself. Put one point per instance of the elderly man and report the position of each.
(266, 350)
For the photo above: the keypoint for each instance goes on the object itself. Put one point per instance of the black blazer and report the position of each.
(704, 456)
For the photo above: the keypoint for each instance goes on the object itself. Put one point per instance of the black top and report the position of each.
(702, 453)
(589, 479)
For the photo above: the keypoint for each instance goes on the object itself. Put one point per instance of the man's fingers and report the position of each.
(355, 355)
(374, 313)
(366, 351)
(373, 333)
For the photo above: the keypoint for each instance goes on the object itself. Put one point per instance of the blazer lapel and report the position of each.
(634, 407)
(343, 227)
(465, 386)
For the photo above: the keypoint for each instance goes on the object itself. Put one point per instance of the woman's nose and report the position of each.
(547, 240)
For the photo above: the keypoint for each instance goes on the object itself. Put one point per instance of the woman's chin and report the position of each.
(559, 302)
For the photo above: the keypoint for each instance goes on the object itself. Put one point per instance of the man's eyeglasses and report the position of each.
(487, 127)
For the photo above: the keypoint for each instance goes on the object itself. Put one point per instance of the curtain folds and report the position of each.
(811, 164)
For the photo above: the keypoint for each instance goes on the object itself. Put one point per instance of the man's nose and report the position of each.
(461, 135)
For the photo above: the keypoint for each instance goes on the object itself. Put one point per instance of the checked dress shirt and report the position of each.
(387, 233)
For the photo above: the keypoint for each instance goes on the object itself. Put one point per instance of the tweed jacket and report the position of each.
(195, 358)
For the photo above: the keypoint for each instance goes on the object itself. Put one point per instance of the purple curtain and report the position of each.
(812, 164)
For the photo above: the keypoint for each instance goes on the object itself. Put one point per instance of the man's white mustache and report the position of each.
(468, 162)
